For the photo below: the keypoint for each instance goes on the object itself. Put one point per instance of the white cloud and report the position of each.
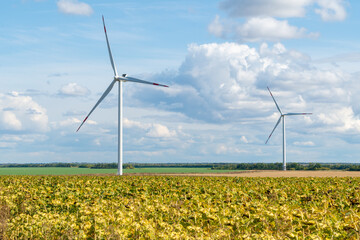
(22, 113)
(223, 150)
(13, 140)
(10, 121)
(91, 122)
(152, 129)
(259, 23)
(69, 122)
(269, 29)
(28, 138)
(265, 8)
(331, 10)
(216, 27)
(308, 143)
(130, 124)
(73, 90)
(160, 131)
(220, 82)
(226, 84)
(341, 120)
(258, 29)
(74, 7)
(328, 9)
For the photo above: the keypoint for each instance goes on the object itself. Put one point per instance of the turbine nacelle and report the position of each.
(121, 78)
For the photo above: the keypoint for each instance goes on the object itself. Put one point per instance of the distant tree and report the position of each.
(129, 166)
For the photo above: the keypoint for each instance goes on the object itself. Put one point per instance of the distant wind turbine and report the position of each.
(120, 79)
(282, 116)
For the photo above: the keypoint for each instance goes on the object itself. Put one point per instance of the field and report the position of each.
(174, 171)
(178, 207)
(52, 171)
(76, 171)
(271, 173)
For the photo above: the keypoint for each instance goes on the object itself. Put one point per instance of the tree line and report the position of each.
(290, 166)
(217, 166)
(111, 165)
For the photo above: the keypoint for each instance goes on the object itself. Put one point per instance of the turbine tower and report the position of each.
(120, 79)
(282, 117)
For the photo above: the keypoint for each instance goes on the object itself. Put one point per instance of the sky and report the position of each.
(218, 57)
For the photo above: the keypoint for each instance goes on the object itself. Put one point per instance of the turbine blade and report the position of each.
(277, 106)
(108, 45)
(131, 79)
(291, 114)
(274, 129)
(99, 101)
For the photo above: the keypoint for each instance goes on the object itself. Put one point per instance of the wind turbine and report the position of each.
(120, 79)
(282, 116)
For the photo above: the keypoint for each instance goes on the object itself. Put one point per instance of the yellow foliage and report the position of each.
(159, 207)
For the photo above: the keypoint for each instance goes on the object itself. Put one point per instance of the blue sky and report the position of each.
(216, 56)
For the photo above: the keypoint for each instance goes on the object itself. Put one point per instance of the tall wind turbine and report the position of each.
(282, 117)
(120, 79)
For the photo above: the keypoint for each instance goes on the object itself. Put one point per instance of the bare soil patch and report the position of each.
(262, 173)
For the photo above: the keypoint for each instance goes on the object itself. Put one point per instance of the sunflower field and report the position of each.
(166, 207)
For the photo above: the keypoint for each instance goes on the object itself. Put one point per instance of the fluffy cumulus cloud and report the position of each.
(159, 130)
(21, 114)
(73, 90)
(261, 23)
(74, 7)
(331, 10)
(341, 120)
(219, 95)
(217, 108)
(226, 83)
(258, 29)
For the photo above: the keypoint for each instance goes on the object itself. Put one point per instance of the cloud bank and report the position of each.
(226, 83)
(258, 29)
(216, 109)
(266, 20)
(328, 9)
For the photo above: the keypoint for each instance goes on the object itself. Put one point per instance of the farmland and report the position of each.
(75, 170)
(171, 207)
